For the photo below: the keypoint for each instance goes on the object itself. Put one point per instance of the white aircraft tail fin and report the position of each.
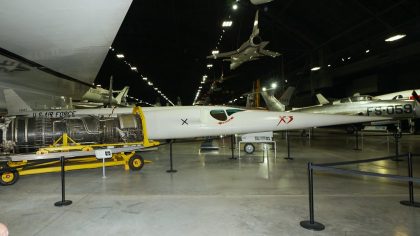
(14, 103)
(272, 103)
(122, 94)
(287, 95)
(321, 99)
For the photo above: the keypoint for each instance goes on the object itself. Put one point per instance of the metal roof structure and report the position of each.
(168, 43)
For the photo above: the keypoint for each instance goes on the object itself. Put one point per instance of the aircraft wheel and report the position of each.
(9, 177)
(136, 162)
(350, 129)
(249, 148)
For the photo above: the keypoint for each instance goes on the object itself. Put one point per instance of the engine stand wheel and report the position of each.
(136, 162)
(249, 148)
(9, 177)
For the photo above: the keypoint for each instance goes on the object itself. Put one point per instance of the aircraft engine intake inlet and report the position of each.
(28, 134)
(255, 41)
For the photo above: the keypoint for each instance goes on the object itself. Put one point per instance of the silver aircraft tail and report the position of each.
(121, 95)
(417, 104)
(275, 105)
(14, 103)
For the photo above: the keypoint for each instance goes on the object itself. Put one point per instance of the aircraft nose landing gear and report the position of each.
(249, 148)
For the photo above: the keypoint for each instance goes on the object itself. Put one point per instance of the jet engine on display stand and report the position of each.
(23, 134)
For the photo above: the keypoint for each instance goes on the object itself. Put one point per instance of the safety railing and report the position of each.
(332, 167)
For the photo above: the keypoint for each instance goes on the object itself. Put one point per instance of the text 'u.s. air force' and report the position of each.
(53, 114)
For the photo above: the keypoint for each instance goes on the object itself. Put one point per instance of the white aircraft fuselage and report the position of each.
(198, 121)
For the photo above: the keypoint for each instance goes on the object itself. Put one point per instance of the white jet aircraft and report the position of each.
(195, 121)
(250, 50)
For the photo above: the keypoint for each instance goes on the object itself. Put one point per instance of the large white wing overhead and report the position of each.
(71, 38)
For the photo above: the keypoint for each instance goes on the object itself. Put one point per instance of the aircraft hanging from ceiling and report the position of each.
(55, 48)
(258, 2)
(250, 50)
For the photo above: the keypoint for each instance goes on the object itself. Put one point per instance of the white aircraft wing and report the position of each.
(35, 78)
(71, 38)
(223, 55)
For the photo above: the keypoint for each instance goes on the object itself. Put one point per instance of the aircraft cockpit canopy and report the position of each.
(222, 114)
(359, 98)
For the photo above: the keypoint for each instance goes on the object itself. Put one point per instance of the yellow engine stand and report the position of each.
(66, 144)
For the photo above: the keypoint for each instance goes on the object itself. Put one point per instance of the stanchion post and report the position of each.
(357, 139)
(63, 201)
(232, 146)
(171, 170)
(397, 136)
(411, 202)
(288, 146)
(103, 169)
(311, 223)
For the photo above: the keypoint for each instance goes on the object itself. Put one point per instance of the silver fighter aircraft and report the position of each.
(250, 50)
(359, 105)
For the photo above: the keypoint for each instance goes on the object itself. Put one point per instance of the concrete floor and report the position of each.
(212, 195)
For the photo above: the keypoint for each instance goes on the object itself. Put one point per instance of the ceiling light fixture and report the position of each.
(215, 52)
(227, 23)
(395, 37)
(274, 85)
(315, 68)
(234, 6)
(120, 56)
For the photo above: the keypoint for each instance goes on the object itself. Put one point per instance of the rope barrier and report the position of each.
(358, 161)
(311, 224)
(358, 172)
